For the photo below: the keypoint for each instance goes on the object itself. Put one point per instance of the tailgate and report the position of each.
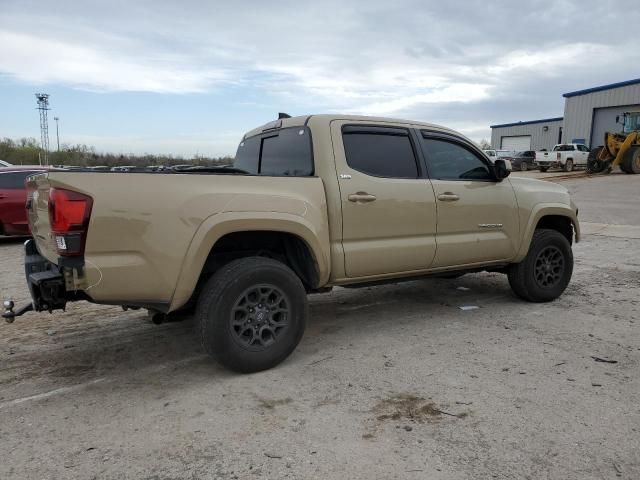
(546, 157)
(38, 215)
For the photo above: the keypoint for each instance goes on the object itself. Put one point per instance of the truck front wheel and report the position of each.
(252, 314)
(546, 270)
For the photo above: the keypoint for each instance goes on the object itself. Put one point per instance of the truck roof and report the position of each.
(305, 119)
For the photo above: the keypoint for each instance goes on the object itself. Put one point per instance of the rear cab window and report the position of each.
(564, 148)
(285, 152)
(380, 151)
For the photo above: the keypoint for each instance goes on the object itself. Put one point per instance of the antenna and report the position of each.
(43, 106)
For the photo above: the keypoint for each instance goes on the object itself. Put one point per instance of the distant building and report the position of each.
(588, 114)
(531, 135)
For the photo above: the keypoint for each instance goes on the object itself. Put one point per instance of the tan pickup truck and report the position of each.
(311, 202)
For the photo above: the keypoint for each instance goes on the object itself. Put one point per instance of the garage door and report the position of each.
(517, 144)
(604, 120)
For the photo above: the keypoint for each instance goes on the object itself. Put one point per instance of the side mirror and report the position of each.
(502, 168)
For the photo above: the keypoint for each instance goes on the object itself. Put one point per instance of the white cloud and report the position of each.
(456, 93)
(38, 60)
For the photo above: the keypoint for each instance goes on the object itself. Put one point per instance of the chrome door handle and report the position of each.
(361, 197)
(448, 197)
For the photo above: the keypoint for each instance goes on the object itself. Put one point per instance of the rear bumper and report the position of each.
(45, 280)
(52, 286)
(549, 164)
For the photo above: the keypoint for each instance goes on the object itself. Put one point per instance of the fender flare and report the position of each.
(542, 210)
(217, 226)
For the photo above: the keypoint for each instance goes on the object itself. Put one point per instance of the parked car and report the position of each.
(123, 168)
(5, 164)
(13, 196)
(504, 155)
(565, 156)
(310, 203)
(493, 156)
(524, 161)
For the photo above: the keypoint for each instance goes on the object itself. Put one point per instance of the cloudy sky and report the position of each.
(189, 77)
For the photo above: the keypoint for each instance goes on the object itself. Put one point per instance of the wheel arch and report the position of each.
(555, 217)
(303, 248)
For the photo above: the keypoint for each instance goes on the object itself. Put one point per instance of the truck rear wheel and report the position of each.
(546, 270)
(252, 314)
(568, 166)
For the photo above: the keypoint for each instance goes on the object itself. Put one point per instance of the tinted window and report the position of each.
(248, 155)
(450, 161)
(381, 154)
(563, 148)
(14, 180)
(286, 152)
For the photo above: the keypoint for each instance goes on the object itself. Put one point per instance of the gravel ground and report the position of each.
(389, 382)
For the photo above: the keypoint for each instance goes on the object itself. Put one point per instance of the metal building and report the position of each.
(531, 135)
(588, 114)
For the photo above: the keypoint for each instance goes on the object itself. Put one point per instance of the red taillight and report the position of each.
(69, 214)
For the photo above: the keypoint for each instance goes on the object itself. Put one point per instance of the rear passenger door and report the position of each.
(477, 215)
(388, 204)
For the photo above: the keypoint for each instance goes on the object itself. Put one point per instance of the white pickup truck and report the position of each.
(565, 156)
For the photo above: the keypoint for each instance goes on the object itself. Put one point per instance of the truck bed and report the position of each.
(143, 225)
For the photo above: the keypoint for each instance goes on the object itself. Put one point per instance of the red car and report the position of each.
(13, 197)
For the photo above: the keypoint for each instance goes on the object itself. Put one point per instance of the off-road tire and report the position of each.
(544, 169)
(594, 165)
(568, 166)
(522, 276)
(218, 307)
(631, 161)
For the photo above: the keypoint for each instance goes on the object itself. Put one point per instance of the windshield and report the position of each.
(563, 148)
(285, 152)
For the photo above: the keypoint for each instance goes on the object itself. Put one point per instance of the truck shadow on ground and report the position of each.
(90, 342)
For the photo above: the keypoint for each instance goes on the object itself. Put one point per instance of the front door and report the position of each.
(477, 215)
(388, 204)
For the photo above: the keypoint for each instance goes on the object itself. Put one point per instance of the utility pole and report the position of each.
(57, 131)
(43, 106)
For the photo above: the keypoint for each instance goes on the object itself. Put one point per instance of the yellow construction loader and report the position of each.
(621, 149)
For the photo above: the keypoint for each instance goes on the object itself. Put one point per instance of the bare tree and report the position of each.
(484, 145)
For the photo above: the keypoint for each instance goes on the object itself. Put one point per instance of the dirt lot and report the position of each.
(389, 382)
